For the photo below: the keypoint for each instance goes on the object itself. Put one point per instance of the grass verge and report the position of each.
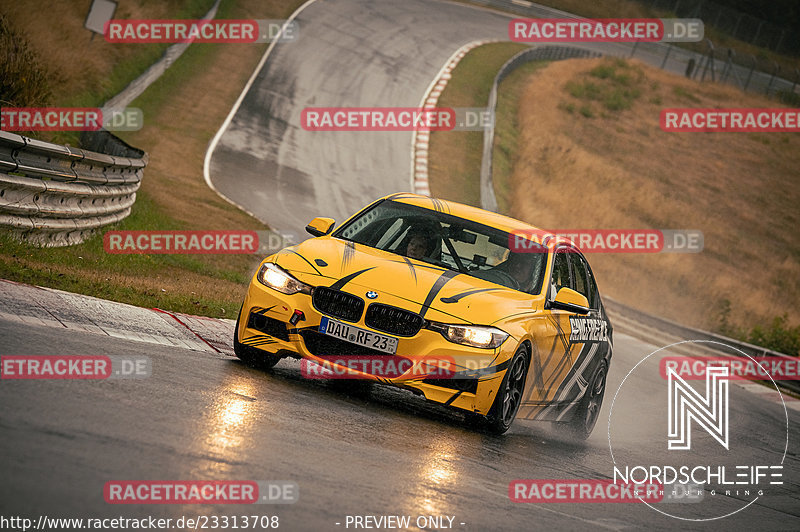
(578, 144)
(182, 112)
(766, 59)
(454, 162)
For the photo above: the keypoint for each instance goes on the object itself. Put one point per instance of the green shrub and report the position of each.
(23, 78)
(777, 336)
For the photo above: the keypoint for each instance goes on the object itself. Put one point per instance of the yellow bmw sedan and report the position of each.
(469, 308)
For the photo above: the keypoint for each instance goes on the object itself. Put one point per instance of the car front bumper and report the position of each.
(265, 323)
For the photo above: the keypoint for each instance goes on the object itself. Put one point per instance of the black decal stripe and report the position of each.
(578, 362)
(437, 286)
(565, 362)
(255, 337)
(456, 298)
(347, 253)
(264, 310)
(262, 342)
(338, 285)
(254, 343)
(423, 265)
(305, 259)
(538, 380)
(494, 369)
(565, 358)
(551, 353)
(563, 336)
(439, 206)
(558, 338)
(453, 398)
(411, 267)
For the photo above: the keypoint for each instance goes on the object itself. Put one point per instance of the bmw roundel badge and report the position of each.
(372, 295)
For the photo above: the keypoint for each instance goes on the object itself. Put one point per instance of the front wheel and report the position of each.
(255, 358)
(509, 397)
(588, 411)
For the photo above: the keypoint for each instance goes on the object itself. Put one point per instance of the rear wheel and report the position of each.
(509, 397)
(588, 411)
(255, 358)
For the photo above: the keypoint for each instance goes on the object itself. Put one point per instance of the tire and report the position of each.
(588, 410)
(509, 397)
(255, 358)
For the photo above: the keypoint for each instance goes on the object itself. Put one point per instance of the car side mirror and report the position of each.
(320, 226)
(571, 301)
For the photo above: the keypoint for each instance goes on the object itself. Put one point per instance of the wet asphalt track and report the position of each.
(352, 451)
(351, 54)
(354, 53)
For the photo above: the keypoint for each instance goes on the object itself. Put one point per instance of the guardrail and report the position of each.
(643, 325)
(654, 329)
(764, 81)
(54, 195)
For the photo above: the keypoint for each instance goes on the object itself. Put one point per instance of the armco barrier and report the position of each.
(54, 195)
(661, 331)
(637, 323)
(539, 53)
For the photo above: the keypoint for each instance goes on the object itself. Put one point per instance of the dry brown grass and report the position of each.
(182, 111)
(641, 9)
(174, 177)
(77, 63)
(619, 170)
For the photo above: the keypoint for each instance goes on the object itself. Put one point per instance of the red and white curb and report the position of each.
(420, 140)
(34, 305)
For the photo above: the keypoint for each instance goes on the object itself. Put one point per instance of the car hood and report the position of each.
(432, 291)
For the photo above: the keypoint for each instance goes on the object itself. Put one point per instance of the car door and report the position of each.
(588, 343)
(593, 329)
(551, 359)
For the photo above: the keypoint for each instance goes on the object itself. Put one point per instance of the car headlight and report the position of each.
(277, 278)
(471, 335)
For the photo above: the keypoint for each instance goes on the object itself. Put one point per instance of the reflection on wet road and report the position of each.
(363, 450)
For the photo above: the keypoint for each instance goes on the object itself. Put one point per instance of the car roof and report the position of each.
(492, 219)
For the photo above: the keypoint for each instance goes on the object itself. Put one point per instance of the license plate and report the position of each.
(358, 336)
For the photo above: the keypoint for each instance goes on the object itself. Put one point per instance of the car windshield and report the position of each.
(449, 242)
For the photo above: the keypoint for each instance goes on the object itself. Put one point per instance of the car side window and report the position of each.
(580, 277)
(560, 272)
(594, 296)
